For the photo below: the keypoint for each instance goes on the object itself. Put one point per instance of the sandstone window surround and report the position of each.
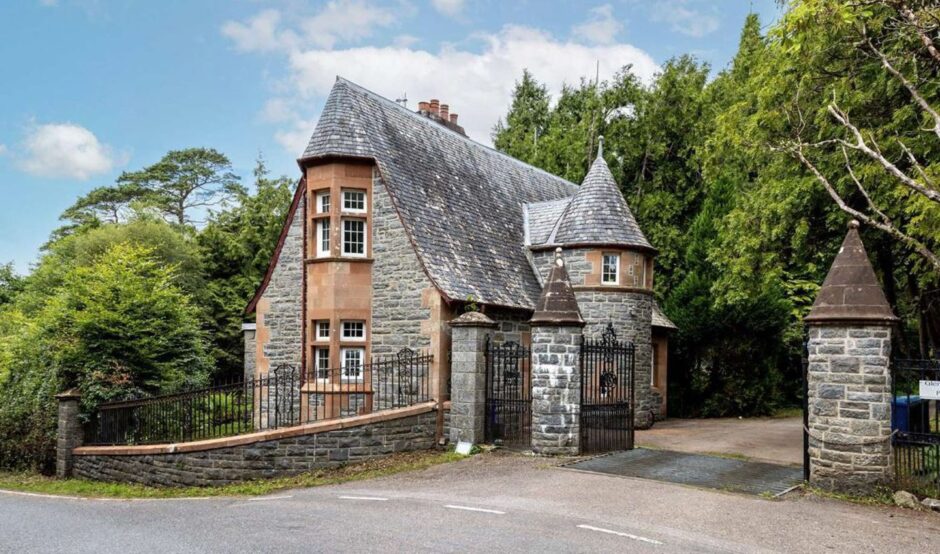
(610, 270)
(323, 330)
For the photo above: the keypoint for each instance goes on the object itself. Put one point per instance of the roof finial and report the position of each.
(600, 146)
(559, 261)
(853, 224)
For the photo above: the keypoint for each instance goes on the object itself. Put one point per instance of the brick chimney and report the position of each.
(440, 113)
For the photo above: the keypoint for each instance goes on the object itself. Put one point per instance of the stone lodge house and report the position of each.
(400, 221)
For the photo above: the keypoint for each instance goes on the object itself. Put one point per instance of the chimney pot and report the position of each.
(445, 110)
(424, 107)
(435, 106)
(453, 118)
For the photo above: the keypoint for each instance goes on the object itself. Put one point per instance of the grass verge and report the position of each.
(880, 497)
(396, 463)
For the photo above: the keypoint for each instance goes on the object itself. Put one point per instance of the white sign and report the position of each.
(464, 448)
(930, 390)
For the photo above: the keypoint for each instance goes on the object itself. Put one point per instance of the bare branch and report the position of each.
(911, 17)
(862, 146)
(934, 259)
(861, 189)
(909, 86)
(917, 166)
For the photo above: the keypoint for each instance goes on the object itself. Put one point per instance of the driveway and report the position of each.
(774, 440)
(487, 503)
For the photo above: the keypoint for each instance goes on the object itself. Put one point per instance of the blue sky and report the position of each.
(91, 88)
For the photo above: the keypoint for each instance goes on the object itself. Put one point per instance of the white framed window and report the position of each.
(354, 201)
(321, 362)
(323, 202)
(354, 237)
(610, 269)
(323, 330)
(353, 359)
(323, 238)
(354, 330)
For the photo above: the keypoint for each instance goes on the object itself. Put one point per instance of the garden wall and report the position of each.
(266, 454)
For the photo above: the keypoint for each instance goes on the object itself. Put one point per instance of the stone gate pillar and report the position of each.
(468, 376)
(849, 376)
(68, 433)
(556, 376)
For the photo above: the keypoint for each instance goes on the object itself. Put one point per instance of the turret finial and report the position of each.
(600, 146)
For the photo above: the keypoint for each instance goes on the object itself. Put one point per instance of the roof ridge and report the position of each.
(436, 125)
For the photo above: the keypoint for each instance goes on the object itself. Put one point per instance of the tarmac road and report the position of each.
(490, 503)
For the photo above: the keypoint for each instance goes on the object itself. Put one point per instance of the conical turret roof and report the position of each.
(557, 304)
(851, 291)
(598, 214)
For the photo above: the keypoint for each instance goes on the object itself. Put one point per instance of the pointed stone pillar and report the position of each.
(556, 378)
(849, 376)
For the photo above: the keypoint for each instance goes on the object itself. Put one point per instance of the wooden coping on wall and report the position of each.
(260, 436)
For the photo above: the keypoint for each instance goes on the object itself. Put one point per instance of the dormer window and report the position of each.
(610, 269)
(354, 201)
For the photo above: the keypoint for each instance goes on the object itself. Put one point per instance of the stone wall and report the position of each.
(511, 325)
(249, 335)
(279, 310)
(556, 390)
(631, 314)
(850, 406)
(267, 459)
(398, 281)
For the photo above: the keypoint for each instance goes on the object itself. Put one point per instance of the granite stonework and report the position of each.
(68, 432)
(267, 459)
(511, 325)
(281, 320)
(630, 312)
(398, 281)
(556, 390)
(468, 376)
(850, 406)
(249, 336)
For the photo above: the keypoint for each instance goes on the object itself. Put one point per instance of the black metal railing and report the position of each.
(395, 381)
(280, 399)
(224, 410)
(915, 422)
(508, 394)
(607, 393)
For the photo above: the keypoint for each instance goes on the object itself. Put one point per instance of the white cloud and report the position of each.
(683, 19)
(66, 150)
(3, 149)
(48, 3)
(450, 8)
(339, 21)
(476, 83)
(405, 41)
(600, 28)
(260, 33)
(277, 110)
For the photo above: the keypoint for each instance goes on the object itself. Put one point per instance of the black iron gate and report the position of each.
(508, 394)
(607, 404)
(915, 422)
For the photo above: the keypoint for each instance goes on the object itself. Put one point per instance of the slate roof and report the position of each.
(659, 318)
(851, 291)
(541, 218)
(598, 214)
(460, 201)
